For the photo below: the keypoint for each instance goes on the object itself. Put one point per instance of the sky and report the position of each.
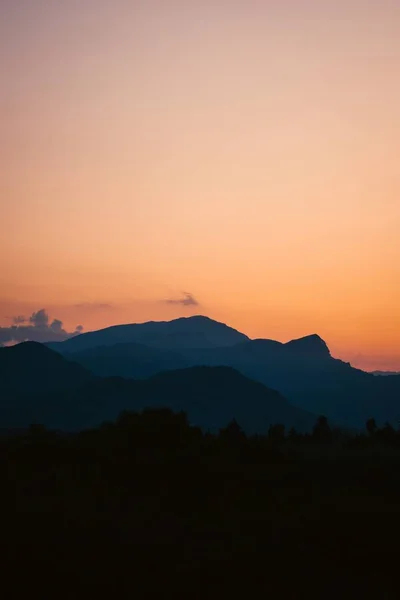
(239, 159)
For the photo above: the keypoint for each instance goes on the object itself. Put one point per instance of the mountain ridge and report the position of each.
(194, 332)
(127, 333)
(210, 396)
(302, 370)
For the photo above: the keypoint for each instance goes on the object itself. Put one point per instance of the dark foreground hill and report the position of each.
(32, 367)
(211, 397)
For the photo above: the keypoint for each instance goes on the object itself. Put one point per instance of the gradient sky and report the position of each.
(246, 152)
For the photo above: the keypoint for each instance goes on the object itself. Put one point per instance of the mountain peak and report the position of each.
(28, 350)
(310, 344)
(185, 332)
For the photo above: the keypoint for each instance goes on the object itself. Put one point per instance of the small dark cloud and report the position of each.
(56, 326)
(36, 328)
(19, 319)
(187, 300)
(94, 305)
(39, 319)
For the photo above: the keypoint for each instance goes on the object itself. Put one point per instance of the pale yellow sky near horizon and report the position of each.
(244, 151)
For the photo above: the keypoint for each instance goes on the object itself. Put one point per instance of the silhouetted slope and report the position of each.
(302, 370)
(135, 361)
(191, 332)
(32, 367)
(211, 397)
(305, 373)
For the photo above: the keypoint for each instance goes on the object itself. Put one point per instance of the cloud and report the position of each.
(57, 326)
(36, 328)
(187, 300)
(94, 305)
(39, 319)
(19, 319)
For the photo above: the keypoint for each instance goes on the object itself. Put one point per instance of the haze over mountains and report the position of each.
(213, 374)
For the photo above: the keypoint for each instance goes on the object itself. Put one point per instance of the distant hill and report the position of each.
(307, 375)
(31, 367)
(211, 397)
(130, 360)
(190, 332)
(385, 373)
(303, 370)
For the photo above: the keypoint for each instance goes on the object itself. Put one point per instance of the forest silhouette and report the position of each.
(149, 506)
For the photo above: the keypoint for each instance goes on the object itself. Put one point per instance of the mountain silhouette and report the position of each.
(130, 360)
(32, 367)
(303, 370)
(385, 373)
(70, 398)
(307, 375)
(213, 396)
(311, 345)
(189, 332)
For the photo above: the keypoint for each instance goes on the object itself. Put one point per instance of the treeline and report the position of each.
(323, 433)
(166, 429)
(150, 507)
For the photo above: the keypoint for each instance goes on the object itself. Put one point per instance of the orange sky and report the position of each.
(245, 152)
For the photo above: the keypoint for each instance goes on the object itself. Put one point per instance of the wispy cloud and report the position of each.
(19, 319)
(187, 300)
(94, 305)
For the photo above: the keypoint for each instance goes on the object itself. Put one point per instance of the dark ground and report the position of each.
(151, 508)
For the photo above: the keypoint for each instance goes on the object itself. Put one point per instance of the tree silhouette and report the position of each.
(276, 433)
(371, 426)
(232, 433)
(321, 430)
(387, 433)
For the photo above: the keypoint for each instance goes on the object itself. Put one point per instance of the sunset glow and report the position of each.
(244, 154)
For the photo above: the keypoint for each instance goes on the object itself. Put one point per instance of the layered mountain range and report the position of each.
(195, 364)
